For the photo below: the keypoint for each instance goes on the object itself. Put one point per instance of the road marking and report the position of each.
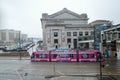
(19, 75)
(59, 72)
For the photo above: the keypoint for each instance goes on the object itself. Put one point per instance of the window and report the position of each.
(71, 56)
(69, 46)
(69, 40)
(92, 33)
(68, 33)
(3, 36)
(54, 55)
(79, 39)
(63, 55)
(118, 29)
(119, 35)
(55, 40)
(74, 33)
(80, 33)
(55, 34)
(11, 35)
(43, 55)
(37, 55)
(86, 33)
(85, 56)
(85, 38)
(108, 36)
(113, 35)
(92, 37)
(91, 55)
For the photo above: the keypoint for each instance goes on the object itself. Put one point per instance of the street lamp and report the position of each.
(32, 43)
(100, 55)
(94, 37)
(19, 45)
(100, 67)
(99, 59)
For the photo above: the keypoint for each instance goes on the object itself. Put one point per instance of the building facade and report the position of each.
(111, 34)
(8, 36)
(64, 29)
(98, 26)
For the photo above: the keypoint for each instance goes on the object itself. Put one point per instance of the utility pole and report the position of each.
(32, 43)
(99, 53)
(54, 68)
(94, 36)
(19, 45)
(100, 67)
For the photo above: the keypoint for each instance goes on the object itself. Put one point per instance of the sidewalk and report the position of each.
(73, 78)
(13, 58)
(110, 77)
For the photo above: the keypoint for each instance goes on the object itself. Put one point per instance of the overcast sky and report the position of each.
(25, 15)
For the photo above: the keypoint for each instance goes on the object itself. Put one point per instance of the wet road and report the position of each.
(112, 66)
(15, 69)
(26, 70)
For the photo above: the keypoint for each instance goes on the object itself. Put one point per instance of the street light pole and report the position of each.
(32, 43)
(54, 68)
(19, 45)
(100, 67)
(94, 37)
(100, 55)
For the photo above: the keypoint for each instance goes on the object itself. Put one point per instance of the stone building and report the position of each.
(64, 29)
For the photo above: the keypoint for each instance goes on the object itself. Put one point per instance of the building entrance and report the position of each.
(75, 43)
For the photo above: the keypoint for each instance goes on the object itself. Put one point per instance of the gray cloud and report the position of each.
(25, 15)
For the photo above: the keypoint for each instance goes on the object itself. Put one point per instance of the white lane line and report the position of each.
(19, 75)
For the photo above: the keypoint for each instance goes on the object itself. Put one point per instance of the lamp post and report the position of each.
(94, 36)
(32, 43)
(100, 56)
(54, 68)
(19, 45)
(100, 67)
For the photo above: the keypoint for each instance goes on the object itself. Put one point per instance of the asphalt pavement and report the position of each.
(12, 68)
